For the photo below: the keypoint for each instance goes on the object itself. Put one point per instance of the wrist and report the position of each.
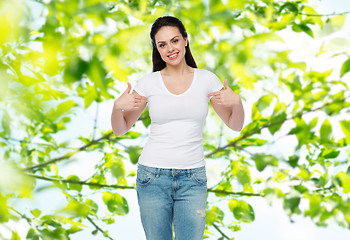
(118, 107)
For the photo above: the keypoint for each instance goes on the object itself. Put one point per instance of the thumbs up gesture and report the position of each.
(226, 97)
(128, 101)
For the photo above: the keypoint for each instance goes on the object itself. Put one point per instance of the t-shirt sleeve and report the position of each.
(141, 86)
(215, 84)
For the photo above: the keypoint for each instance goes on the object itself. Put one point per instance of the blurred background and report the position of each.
(64, 175)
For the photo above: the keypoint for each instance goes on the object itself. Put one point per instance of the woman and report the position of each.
(171, 178)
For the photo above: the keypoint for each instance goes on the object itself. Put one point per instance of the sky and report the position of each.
(271, 223)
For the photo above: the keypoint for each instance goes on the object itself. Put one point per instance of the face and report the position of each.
(171, 45)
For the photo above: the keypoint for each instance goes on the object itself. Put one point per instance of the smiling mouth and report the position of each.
(173, 56)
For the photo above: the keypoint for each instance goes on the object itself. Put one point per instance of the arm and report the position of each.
(133, 106)
(228, 105)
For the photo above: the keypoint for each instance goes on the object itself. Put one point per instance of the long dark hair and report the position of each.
(158, 63)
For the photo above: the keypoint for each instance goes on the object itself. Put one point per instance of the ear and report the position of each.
(186, 41)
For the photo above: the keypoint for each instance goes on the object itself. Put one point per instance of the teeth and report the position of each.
(173, 55)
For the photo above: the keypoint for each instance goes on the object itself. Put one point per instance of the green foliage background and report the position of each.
(84, 49)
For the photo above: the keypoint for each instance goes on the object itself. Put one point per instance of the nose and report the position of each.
(170, 48)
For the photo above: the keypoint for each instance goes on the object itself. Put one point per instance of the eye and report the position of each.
(176, 40)
(161, 45)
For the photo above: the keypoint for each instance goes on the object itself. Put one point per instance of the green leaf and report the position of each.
(262, 160)
(215, 214)
(241, 210)
(302, 28)
(245, 23)
(329, 153)
(315, 205)
(92, 205)
(115, 203)
(98, 178)
(6, 123)
(64, 107)
(304, 174)
(310, 11)
(74, 70)
(291, 204)
(292, 7)
(36, 212)
(243, 176)
(91, 95)
(326, 131)
(345, 126)
(117, 169)
(15, 236)
(345, 68)
(300, 188)
(338, 21)
(32, 235)
(334, 108)
(345, 181)
(277, 121)
(50, 220)
(313, 123)
(97, 74)
(74, 229)
(76, 209)
(263, 102)
(134, 153)
(74, 186)
(252, 142)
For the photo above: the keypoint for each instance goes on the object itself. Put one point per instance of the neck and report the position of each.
(179, 69)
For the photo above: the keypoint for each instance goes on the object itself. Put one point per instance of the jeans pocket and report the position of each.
(200, 177)
(143, 177)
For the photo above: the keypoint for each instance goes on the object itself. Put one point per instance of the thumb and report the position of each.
(225, 84)
(128, 88)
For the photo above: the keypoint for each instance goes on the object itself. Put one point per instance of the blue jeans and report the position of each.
(172, 198)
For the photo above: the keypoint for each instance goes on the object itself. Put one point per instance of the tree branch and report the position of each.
(235, 193)
(29, 220)
(324, 15)
(95, 122)
(221, 232)
(80, 182)
(98, 228)
(267, 125)
(68, 155)
(131, 187)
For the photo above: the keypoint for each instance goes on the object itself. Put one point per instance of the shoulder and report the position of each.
(205, 72)
(147, 77)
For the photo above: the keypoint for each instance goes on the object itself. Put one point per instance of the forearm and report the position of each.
(236, 119)
(118, 122)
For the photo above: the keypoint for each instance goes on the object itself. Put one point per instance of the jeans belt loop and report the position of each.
(158, 172)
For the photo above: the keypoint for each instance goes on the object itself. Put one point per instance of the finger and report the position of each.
(137, 105)
(137, 98)
(225, 84)
(214, 93)
(141, 98)
(217, 98)
(128, 89)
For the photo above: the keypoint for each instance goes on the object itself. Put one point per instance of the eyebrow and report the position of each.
(170, 40)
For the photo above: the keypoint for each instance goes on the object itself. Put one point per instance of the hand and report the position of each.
(226, 97)
(127, 101)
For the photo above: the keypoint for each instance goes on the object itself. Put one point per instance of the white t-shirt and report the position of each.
(177, 121)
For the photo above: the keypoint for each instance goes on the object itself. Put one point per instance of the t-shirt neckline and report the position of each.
(185, 92)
